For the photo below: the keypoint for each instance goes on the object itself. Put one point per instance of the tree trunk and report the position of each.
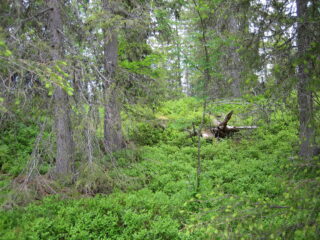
(235, 63)
(178, 48)
(64, 156)
(305, 99)
(113, 139)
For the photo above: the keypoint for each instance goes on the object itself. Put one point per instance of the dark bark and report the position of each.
(224, 123)
(113, 139)
(64, 155)
(305, 99)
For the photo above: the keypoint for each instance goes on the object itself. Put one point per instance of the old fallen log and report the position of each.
(229, 130)
(223, 130)
(220, 129)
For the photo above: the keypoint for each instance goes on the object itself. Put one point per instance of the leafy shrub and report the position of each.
(16, 144)
(140, 215)
(147, 134)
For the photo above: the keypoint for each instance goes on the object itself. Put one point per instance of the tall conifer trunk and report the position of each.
(64, 155)
(113, 139)
(305, 100)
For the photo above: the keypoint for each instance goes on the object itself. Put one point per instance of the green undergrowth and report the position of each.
(252, 185)
(16, 145)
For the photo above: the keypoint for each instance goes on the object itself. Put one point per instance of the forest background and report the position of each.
(104, 106)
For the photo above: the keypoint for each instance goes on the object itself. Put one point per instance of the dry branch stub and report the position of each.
(222, 129)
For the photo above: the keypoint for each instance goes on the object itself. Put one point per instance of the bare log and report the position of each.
(223, 129)
(220, 129)
(207, 134)
(242, 127)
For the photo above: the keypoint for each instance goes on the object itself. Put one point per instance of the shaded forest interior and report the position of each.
(167, 119)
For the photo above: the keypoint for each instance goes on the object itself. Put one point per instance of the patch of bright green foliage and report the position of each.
(250, 187)
(16, 144)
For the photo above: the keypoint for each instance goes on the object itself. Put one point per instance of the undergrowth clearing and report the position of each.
(252, 185)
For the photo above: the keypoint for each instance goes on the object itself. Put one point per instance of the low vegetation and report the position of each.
(252, 184)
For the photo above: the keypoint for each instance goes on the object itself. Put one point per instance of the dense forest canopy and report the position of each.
(161, 119)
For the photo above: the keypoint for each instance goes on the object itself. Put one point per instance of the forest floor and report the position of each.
(253, 186)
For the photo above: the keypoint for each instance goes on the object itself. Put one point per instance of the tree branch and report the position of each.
(38, 14)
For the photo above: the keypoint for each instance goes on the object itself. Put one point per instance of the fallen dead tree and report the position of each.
(223, 129)
(220, 129)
